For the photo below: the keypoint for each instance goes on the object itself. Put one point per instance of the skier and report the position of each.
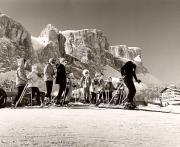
(48, 78)
(21, 79)
(109, 88)
(69, 87)
(61, 79)
(94, 89)
(128, 71)
(85, 84)
(33, 84)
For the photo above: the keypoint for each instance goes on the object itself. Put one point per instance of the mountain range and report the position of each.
(83, 49)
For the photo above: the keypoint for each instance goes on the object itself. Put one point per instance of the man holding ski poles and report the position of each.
(128, 72)
(21, 79)
(61, 79)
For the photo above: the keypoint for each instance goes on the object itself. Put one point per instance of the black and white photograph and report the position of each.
(89, 73)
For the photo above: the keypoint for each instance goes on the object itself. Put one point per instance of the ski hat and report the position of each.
(85, 71)
(137, 59)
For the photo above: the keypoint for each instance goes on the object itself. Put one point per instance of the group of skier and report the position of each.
(102, 91)
(95, 90)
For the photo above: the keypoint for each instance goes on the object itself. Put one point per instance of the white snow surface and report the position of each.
(88, 128)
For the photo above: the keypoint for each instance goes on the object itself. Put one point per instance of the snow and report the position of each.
(88, 127)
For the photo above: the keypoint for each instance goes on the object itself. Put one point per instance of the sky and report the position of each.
(153, 25)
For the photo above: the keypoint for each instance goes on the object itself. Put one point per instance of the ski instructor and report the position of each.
(128, 71)
(61, 79)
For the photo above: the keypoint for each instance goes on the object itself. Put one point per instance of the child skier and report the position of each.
(109, 88)
(33, 84)
(68, 90)
(94, 90)
(85, 84)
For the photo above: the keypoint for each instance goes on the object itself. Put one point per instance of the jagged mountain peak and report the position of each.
(49, 27)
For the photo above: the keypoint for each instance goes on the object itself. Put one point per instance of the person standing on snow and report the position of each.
(85, 83)
(33, 84)
(109, 88)
(128, 72)
(49, 77)
(21, 79)
(61, 78)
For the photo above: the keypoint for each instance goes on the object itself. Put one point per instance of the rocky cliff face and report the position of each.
(86, 48)
(87, 45)
(49, 44)
(91, 47)
(123, 51)
(15, 42)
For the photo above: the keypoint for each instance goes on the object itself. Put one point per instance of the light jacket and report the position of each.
(48, 72)
(21, 78)
(33, 79)
(95, 86)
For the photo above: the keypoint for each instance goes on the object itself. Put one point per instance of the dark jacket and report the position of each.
(85, 83)
(128, 70)
(109, 86)
(61, 74)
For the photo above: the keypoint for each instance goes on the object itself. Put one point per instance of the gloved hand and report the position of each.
(139, 81)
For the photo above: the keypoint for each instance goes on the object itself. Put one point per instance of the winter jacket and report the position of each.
(48, 72)
(61, 74)
(128, 70)
(33, 79)
(21, 78)
(101, 85)
(94, 86)
(85, 82)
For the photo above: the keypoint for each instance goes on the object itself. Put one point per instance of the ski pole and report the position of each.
(22, 95)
